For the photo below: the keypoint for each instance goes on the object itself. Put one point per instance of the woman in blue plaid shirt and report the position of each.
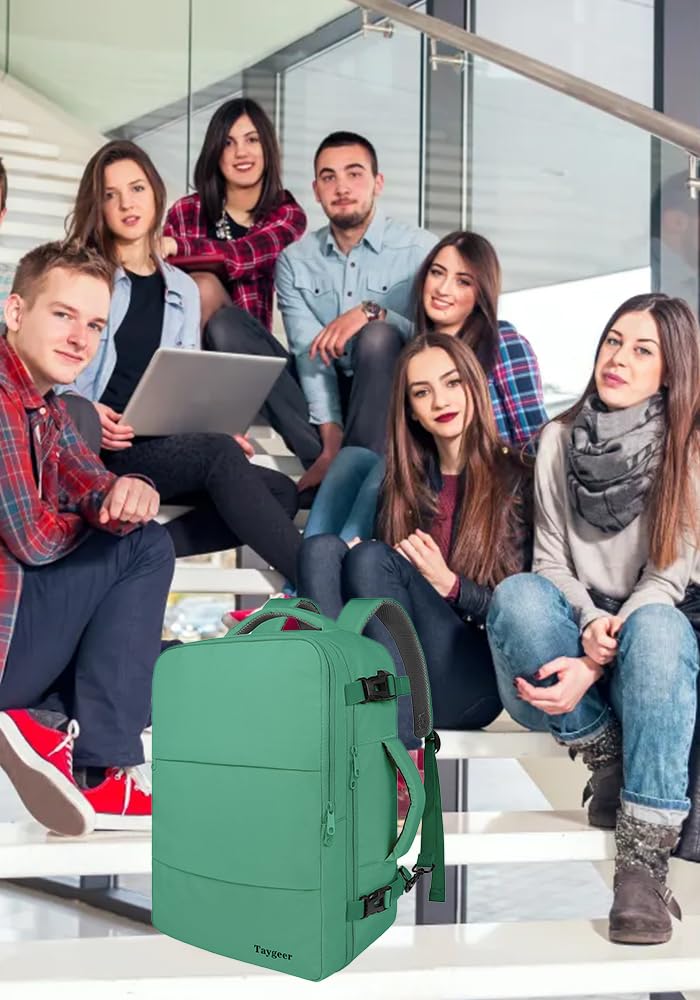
(456, 292)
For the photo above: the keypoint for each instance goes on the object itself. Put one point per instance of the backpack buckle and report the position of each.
(375, 902)
(377, 688)
(418, 872)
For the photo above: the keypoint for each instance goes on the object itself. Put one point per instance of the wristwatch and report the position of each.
(372, 310)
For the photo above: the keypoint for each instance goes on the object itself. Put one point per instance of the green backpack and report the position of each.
(274, 787)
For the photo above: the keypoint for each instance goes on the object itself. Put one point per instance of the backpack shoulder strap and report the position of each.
(355, 617)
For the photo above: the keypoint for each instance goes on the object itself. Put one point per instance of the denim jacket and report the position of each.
(180, 327)
(316, 283)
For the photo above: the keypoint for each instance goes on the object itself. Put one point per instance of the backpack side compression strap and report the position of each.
(355, 617)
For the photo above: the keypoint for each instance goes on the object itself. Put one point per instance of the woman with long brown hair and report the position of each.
(456, 293)
(118, 211)
(597, 644)
(453, 522)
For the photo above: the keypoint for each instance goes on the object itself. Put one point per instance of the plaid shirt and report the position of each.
(250, 259)
(51, 485)
(516, 388)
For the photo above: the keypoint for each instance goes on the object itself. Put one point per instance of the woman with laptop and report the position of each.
(118, 211)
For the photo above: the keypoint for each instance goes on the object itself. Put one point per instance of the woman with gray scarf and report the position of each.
(597, 633)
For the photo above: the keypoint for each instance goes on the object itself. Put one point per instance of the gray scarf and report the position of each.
(613, 456)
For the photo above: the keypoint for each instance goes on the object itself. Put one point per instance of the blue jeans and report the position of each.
(651, 687)
(460, 670)
(346, 502)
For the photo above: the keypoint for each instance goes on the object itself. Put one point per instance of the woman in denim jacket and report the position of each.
(119, 208)
(596, 645)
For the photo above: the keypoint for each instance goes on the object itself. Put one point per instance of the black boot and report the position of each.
(603, 757)
(642, 907)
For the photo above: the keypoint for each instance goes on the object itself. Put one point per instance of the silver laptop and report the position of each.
(189, 391)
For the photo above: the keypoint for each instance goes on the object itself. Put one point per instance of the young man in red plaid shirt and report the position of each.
(84, 569)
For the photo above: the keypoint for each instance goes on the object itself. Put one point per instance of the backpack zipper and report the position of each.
(329, 823)
(354, 776)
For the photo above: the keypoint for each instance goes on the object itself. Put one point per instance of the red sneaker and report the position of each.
(39, 763)
(404, 799)
(122, 801)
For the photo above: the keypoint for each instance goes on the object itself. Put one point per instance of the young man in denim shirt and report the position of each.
(345, 293)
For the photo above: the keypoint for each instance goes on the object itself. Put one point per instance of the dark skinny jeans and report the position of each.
(460, 668)
(235, 503)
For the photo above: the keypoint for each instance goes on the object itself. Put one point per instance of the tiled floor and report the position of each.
(495, 893)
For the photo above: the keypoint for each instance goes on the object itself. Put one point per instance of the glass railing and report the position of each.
(584, 209)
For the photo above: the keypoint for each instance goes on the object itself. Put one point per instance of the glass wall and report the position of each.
(366, 85)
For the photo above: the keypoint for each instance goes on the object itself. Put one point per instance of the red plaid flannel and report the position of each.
(51, 485)
(250, 260)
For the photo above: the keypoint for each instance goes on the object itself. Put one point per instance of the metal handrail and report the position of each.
(664, 127)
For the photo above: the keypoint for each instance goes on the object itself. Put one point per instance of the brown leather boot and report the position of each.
(603, 757)
(643, 905)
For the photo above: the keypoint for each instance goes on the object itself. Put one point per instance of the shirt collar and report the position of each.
(374, 235)
(168, 272)
(19, 376)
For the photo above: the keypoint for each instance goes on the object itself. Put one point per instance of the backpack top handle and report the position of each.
(355, 617)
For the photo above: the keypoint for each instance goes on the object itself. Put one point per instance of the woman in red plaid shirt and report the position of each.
(230, 233)
(228, 236)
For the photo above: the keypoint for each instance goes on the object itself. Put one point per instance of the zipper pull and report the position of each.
(354, 767)
(329, 831)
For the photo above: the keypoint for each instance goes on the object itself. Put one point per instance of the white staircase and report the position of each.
(481, 960)
(41, 190)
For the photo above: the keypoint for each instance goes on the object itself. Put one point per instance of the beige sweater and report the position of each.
(577, 557)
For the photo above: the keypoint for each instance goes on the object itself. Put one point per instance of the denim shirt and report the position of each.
(316, 283)
(180, 327)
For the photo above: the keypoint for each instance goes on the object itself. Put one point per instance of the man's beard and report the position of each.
(353, 220)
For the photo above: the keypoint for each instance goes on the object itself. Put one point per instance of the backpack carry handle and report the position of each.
(288, 605)
(399, 756)
(306, 619)
(355, 617)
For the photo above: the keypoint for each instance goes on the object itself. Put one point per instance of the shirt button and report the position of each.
(352, 263)
(42, 410)
(349, 295)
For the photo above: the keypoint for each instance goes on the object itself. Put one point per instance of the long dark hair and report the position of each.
(494, 507)
(208, 180)
(86, 223)
(673, 506)
(480, 329)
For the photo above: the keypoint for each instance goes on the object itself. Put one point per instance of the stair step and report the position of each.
(502, 740)
(41, 232)
(487, 838)
(26, 849)
(41, 167)
(39, 206)
(8, 127)
(42, 185)
(9, 255)
(497, 961)
(28, 147)
(193, 579)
